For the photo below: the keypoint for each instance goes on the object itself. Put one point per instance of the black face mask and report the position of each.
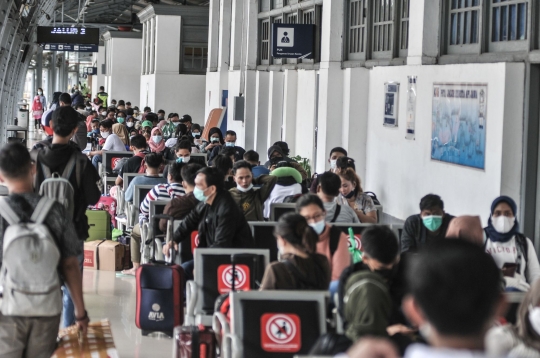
(351, 194)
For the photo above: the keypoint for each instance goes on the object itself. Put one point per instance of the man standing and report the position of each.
(103, 96)
(83, 179)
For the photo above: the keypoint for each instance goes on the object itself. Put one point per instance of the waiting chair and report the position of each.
(277, 210)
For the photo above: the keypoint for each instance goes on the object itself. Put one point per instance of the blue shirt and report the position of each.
(259, 170)
(142, 180)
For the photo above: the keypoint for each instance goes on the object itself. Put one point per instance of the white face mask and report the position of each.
(245, 190)
(129, 124)
(333, 164)
(103, 114)
(503, 224)
(104, 134)
(183, 159)
(534, 318)
(318, 226)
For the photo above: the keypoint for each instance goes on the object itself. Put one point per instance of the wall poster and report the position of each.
(459, 124)
(391, 104)
(411, 107)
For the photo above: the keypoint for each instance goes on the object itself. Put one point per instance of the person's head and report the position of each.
(186, 119)
(105, 127)
(503, 214)
(242, 175)
(175, 175)
(252, 157)
(161, 114)
(95, 125)
(275, 152)
(175, 119)
(147, 109)
(80, 107)
(93, 114)
(335, 154)
(351, 185)
(128, 105)
(101, 88)
(528, 317)
(224, 164)
(113, 103)
(454, 292)
(180, 130)
(380, 249)
(65, 99)
(183, 151)
(343, 163)
(138, 142)
(284, 147)
(466, 228)
(294, 234)
(189, 173)
(16, 166)
(64, 122)
(121, 103)
(153, 161)
(329, 185)
(40, 91)
(228, 151)
(111, 114)
(230, 138)
(311, 207)
(208, 183)
(215, 136)
(121, 117)
(157, 135)
(432, 211)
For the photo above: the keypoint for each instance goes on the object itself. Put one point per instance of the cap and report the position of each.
(147, 124)
(186, 118)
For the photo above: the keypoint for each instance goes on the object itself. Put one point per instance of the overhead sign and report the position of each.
(90, 71)
(70, 48)
(67, 35)
(293, 41)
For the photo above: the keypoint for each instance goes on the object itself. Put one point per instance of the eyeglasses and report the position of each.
(315, 218)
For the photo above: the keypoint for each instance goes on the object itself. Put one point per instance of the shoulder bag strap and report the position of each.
(335, 236)
(7, 212)
(336, 213)
(42, 210)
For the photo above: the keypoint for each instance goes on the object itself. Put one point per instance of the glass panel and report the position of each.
(522, 29)
(509, 20)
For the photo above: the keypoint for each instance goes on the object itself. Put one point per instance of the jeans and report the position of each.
(68, 312)
(96, 159)
(333, 290)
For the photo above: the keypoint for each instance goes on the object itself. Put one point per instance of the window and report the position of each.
(194, 59)
(509, 25)
(265, 42)
(377, 29)
(464, 15)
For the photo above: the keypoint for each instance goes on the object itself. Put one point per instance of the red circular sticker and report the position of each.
(281, 333)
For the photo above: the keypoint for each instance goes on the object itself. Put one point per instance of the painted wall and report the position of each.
(124, 81)
(401, 171)
(98, 59)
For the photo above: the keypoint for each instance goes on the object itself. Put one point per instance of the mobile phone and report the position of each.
(509, 269)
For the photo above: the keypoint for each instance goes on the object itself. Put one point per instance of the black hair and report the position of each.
(138, 141)
(345, 162)
(230, 133)
(186, 118)
(380, 243)
(215, 130)
(330, 183)
(65, 98)
(196, 126)
(130, 111)
(95, 121)
(128, 103)
(251, 156)
(147, 109)
(295, 230)
(106, 124)
(223, 163)
(338, 150)
(110, 110)
(284, 147)
(65, 120)
(175, 170)
(153, 160)
(228, 151)
(184, 144)
(213, 177)
(152, 117)
(161, 111)
(456, 284)
(80, 106)
(241, 164)
(309, 199)
(121, 102)
(102, 88)
(180, 130)
(189, 172)
(15, 161)
(431, 201)
(122, 112)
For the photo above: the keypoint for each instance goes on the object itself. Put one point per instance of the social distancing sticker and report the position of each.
(240, 276)
(281, 333)
(357, 241)
(194, 240)
(115, 161)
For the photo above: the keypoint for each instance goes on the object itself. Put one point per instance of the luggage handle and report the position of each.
(171, 258)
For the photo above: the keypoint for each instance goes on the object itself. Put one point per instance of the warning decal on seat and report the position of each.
(226, 275)
(281, 333)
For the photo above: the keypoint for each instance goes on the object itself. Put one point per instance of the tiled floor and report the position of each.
(111, 297)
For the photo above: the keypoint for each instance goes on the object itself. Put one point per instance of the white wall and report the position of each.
(98, 59)
(124, 81)
(401, 171)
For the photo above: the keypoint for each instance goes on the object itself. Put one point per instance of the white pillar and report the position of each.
(98, 60)
(424, 32)
(213, 34)
(275, 110)
(290, 98)
(261, 121)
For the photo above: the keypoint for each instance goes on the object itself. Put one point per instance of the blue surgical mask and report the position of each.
(432, 222)
(175, 124)
(120, 119)
(229, 144)
(199, 194)
(214, 139)
(194, 134)
(318, 226)
(157, 139)
(183, 160)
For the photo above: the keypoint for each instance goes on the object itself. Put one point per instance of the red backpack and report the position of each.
(37, 106)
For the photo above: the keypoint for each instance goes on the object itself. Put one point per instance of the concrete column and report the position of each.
(250, 78)
(261, 121)
(213, 36)
(251, 34)
(98, 60)
(275, 110)
(237, 21)
(424, 32)
(330, 108)
(167, 37)
(224, 35)
(290, 98)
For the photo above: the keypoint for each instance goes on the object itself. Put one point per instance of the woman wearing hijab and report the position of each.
(523, 340)
(513, 253)
(215, 138)
(121, 131)
(156, 142)
(467, 228)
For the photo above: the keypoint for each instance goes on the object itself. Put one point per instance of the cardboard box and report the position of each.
(111, 256)
(91, 255)
(97, 343)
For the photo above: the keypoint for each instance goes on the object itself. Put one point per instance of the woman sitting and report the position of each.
(156, 142)
(300, 268)
(353, 196)
(121, 131)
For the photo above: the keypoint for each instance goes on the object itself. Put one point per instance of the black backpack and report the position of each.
(373, 197)
(330, 344)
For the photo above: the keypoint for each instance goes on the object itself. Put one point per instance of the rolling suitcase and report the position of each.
(160, 301)
(194, 342)
(99, 222)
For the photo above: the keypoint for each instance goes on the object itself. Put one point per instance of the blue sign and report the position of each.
(293, 41)
(70, 48)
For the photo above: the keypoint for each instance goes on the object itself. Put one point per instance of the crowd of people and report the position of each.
(443, 282)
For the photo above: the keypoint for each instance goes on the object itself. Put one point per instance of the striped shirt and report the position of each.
(162, 192)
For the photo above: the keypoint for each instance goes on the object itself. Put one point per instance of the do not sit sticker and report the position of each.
(357, 241)
(240, 276)
(281, 333)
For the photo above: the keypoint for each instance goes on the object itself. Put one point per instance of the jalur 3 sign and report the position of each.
(292, 41)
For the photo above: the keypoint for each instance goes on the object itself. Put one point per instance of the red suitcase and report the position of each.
(194, 342)
(108, 203)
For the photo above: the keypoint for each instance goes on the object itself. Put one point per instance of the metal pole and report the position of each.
(8, 10)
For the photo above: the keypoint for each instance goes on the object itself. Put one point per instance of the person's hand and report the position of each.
(400, 328)
(373, 348)
(82, 322)
(273, 167)
(168, 246)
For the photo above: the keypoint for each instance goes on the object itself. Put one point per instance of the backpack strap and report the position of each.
(42, 210)
(70, 166)
(335, 235)
(523, 253)
(336, 213)
(7, 212)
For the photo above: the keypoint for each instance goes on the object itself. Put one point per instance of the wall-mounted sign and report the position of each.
(293, 41)
(391, 104)
(411, 107)
(67, 35)
(70, 48)
(90, 71)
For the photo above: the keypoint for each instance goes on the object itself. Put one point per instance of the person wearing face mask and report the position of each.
(352, 195)
(301, 267)
(230, 142)
(180, 130)
(133, 164)
(130, 122)
(121, 118)
(218, 219)
(430, 225)
(112, 143)
(169, 129)
(335, 154)
(276, 154)
(156, 143)
(39, 104)
(328, 191)
(332, 243)
(93, 115)
(513, 253)
(249, 200)
(196, 134)
(523, 339)
(215, 139)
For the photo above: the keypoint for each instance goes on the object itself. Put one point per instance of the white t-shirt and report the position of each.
(507, 252)
(279, 194)
(114, 143)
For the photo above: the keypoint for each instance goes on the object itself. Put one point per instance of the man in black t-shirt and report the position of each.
(133, 164)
